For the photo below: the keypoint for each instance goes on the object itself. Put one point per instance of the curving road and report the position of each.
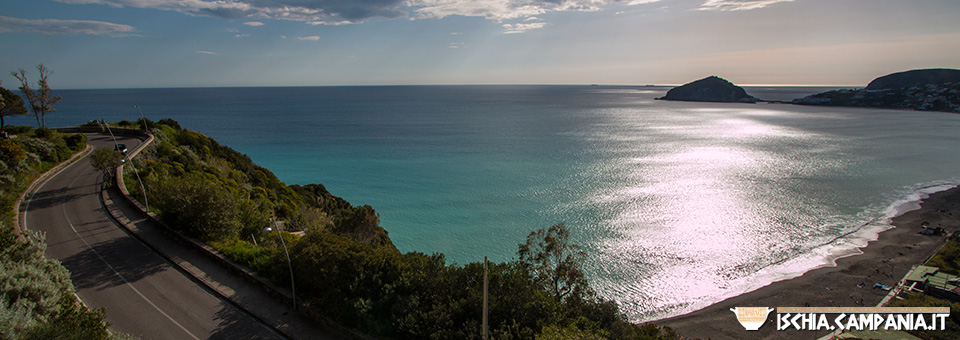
(143, 293)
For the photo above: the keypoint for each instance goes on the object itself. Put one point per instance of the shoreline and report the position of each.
(885, 260)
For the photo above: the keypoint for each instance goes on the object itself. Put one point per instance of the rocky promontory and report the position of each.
(924, 90)
(710, 89)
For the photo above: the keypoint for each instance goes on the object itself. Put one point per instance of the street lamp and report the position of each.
(145, 127)
(135, 172)
(293, 287)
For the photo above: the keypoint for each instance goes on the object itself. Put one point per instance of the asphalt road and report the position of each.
(143, 293)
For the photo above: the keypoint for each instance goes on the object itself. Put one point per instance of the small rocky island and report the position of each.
(710, 89)
(925, 90)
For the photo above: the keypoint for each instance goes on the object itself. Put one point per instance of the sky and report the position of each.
(197, 43)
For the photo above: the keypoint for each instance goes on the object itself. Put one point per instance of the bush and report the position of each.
(947, 258)
(11, 153)
(37, 297)
(46, 150)
(260, 259)
(197, 206)
(44, 133)
(76, 142)
(19, 130)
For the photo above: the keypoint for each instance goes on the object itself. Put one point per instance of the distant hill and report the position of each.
(907, 79)
(710, 89)
(924, 90)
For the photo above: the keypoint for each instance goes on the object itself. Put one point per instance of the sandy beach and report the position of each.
(885, 260)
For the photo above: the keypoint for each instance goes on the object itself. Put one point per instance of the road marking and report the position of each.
(64, 208)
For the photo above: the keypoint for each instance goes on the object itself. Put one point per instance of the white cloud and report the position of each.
(56, 26)
(310, 38)
(339, 12)
(206, 52)
(520, 28)
(737, 5)
(241, 35)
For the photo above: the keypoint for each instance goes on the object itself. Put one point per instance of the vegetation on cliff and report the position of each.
(924, 90)
(345, 264)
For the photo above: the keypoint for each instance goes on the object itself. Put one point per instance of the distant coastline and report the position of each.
(921, 90)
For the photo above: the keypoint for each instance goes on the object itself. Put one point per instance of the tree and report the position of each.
(10, 105)
(42, 99)
(105, 159)
(554, 262)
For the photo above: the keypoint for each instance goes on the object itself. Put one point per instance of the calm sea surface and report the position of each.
(679, 205)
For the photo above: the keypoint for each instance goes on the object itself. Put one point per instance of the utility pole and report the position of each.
(486, 283)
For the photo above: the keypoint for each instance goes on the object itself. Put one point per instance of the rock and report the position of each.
(710, 89)
(907, 79)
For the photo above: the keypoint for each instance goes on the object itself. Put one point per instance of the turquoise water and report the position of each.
(678, 205)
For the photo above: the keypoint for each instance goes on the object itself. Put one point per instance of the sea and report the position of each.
(678, 205)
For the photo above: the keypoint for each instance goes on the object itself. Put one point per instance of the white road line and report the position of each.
(64, 207)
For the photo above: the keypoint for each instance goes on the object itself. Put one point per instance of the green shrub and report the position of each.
(46, 150)
(37, 297)
(947, 258)
(19, 130)
(197, 206)
(76, 142)
(44, 133)
(11, 152)
(257, 258)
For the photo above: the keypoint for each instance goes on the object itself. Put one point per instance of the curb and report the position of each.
(246, 273)
(18, 227)
(123, 222)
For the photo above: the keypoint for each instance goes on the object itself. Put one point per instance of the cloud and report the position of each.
(338, 12)
(241, 35)
(737, 5)
(520, 28)
(56, 26)
(310, 38)
(253, 23)
(353, 11)
(206, 52)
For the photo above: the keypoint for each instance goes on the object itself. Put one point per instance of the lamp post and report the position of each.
(145, 127)
(135, 172)
(293, 287)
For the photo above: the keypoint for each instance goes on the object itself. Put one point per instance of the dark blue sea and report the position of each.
(679, 205)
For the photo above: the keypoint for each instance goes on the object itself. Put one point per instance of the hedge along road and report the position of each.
(144, 294)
